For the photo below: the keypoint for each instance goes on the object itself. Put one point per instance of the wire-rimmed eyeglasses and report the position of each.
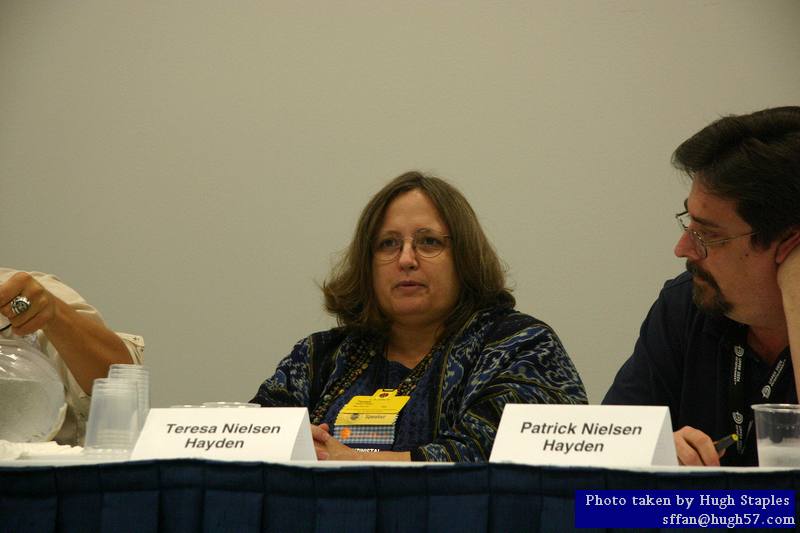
(426, 243)
(700, 244)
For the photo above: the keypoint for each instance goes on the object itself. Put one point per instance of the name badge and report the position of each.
(585, 435)
(383, 402)
(268, 434)
(368, 422)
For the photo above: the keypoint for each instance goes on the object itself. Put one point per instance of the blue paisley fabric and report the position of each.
(500, 356)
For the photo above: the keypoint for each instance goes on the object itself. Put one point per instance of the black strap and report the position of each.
(740, 412)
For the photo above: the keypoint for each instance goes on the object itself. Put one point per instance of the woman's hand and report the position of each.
(84, 343)
(42, 310)
(330, 449)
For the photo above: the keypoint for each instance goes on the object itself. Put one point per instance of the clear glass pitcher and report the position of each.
(32, 401)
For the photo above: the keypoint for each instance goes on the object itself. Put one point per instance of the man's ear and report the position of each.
(787, 244)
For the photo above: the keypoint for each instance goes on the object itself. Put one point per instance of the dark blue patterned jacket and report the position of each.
(500, 356)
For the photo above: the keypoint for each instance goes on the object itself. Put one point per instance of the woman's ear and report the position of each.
(789, 243)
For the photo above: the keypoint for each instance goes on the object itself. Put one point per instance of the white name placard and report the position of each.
(585, 435)
(267, 434)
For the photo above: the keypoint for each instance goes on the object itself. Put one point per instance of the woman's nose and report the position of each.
(408, 256)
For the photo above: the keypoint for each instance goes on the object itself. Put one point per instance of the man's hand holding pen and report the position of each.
(695, 448)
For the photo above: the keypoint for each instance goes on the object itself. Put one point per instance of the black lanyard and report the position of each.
(739, 411)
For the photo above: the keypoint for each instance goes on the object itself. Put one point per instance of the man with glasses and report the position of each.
(718, 338)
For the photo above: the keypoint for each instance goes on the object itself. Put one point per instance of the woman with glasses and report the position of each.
(429, 347)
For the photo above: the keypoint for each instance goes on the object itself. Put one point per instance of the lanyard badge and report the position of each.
(737, 393)
(369, 421)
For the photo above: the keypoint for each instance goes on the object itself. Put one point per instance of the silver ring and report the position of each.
(20, 304)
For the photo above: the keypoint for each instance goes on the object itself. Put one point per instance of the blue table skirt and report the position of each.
(195, 495)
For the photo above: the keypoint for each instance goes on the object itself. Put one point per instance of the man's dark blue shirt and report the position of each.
(683, 359)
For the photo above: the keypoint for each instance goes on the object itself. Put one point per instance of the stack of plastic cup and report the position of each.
(139, 375)
(113, 425)
(230, 404)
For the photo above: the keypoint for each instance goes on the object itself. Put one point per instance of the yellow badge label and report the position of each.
(366, 419)
(381, 408)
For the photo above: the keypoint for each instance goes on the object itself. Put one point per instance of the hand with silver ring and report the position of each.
(20, 304)
(27, 305)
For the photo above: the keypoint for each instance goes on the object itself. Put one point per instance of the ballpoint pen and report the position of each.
(725, 442)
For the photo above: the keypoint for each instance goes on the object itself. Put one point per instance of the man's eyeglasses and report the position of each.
(425, 242)
(700, 244)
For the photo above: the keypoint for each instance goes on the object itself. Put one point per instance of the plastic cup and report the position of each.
(139, 375)
(778, 434)
(113, 425)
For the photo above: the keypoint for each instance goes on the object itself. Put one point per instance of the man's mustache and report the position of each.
(698, 272)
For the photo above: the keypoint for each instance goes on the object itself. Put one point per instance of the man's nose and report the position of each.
(686, 247)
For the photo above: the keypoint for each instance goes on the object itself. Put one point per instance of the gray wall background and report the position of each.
(193, 167)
